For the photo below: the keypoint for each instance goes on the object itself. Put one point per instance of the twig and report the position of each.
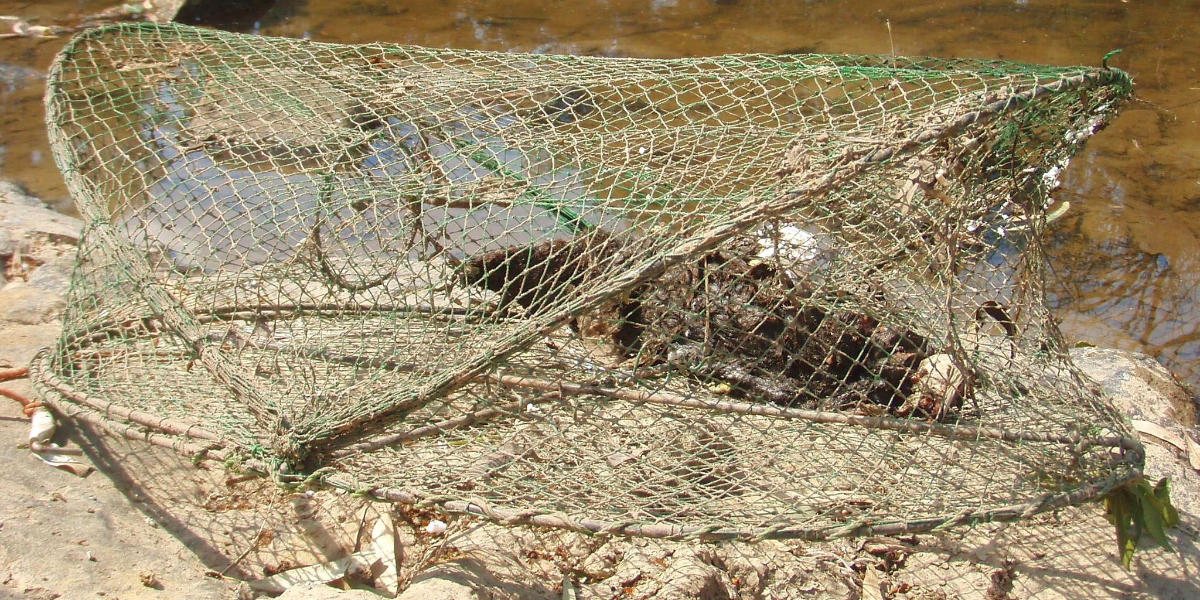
(770, 410)
(442, 426)
(15, 373)
(27, 406)
(46, 376)
(171, 442)
(254, 544)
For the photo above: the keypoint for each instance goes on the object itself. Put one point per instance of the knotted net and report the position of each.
(732, 297)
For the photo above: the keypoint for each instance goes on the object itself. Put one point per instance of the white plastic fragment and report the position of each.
(792, 240)
(435, 527)
(379, 558)
(41, 428)
(41, 431)
(383, 547)
(796, 247)
(938, 387)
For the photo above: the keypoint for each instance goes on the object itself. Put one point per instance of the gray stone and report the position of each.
(28, 219)
(28, 305)
(12, 193)
(318, 591)
(8, 244)
(1144, 390)
(53, 277)
(1140, 386)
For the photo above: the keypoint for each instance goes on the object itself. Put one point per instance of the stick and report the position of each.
(15, 373)
(253, 544)
(441, 426)
(771, 410)
(46, 375)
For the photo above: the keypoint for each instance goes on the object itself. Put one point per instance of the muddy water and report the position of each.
(1126, 258)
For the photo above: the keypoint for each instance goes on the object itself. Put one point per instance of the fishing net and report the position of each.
(739, 297)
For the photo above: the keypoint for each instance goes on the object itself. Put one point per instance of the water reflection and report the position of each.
(209, 206)
(1127, 255)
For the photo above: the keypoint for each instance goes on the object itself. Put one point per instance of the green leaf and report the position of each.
(1153, 522)
(1162, 492)
(1117, 510)
(1128, 545)
(1135, 508)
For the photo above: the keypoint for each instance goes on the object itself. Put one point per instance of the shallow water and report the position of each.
(1126, 257)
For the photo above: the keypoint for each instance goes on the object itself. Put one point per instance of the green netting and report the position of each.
(730, 297)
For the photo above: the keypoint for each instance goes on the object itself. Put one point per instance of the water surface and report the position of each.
(1126, 258)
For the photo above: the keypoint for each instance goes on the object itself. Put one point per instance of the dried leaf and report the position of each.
(872, 586)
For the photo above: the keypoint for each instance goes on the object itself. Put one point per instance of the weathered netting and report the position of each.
(732, 297)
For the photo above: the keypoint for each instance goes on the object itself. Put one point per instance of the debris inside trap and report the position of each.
(737, 322)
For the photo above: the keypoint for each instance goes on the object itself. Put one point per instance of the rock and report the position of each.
(1145, 392)
(440, 588)
(22, 342)
(28, 305)
(53, 277)
(1138, 384)
(320, 591)
(472, 579)
(28, 221)
(11, 193)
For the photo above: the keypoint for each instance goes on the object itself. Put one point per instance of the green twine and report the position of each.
(1104, 61)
